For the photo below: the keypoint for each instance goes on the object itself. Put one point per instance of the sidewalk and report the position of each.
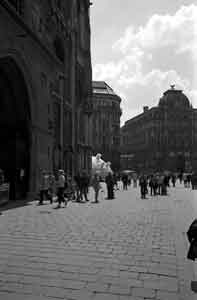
(122, 249)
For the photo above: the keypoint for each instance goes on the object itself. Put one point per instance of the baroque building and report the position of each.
(46, 88)
(106, 123)
(162, 137)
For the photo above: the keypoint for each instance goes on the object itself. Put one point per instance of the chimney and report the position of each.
(145, 108)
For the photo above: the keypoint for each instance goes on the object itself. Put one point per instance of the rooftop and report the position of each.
(101, 87)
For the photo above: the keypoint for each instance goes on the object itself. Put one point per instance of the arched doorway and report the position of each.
(14, 128)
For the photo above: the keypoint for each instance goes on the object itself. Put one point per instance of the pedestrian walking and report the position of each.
(143, 186)
(155, 185)
(85, 181)
(115, 178)
(96, 186)
(151, 185)
(164, 186)
(60, 188)
(160, 183)
(173, 179)
(44, 187)
(134, 180)
(52, 186)
(77, 179)
(125, 181)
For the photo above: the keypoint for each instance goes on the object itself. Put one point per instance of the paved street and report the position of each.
(119, 249)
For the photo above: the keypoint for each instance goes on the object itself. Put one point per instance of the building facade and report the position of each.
(106, 123)
(162, 137)
(45, 80)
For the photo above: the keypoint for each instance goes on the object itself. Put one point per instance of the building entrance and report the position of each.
(14, 128)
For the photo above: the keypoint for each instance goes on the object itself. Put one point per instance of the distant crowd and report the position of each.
(62, 188)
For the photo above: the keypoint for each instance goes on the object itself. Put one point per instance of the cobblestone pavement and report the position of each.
(119, 249)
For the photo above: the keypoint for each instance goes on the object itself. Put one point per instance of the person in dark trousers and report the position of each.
(115, 178)
(125, 181)
(51, 190)
(96, 186)
(143, 186)
(151, 185)
(85, 181)
(77, 179)
(164, 185)
(60, 188)
(110, 186)
(173, 179)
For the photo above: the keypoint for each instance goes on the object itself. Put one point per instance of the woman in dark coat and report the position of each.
(110, 186)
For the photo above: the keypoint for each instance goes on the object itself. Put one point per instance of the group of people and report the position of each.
(62, 188)
(157, 183)
(51, 186)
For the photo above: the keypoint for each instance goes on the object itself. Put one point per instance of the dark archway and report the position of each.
(14, 128)
(180, 163)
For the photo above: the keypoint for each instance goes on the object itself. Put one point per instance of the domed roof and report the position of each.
(174, 98)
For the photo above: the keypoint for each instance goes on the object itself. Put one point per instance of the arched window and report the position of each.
(59, 48)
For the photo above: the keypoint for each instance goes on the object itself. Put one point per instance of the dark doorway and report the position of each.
(180, 163)
(14, 128)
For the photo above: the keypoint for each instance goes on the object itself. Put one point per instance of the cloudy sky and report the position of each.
(142, 47)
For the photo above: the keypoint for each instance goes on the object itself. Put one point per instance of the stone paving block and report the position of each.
(162, 271)
(54, 292)
(10, 277)
(120, 289)
(11, 287)
(138, 269)
(167, 296)
(97, 287)
(88, 277)
(127, 274)
(12, 296)
(148, 277)
(106, 297)
(82, 294)
(143, 292)
(121, 297)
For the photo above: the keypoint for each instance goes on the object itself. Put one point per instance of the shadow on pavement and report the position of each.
(14, 204)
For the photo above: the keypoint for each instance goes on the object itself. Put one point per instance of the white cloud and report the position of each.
(179, 30)
(138, 74)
